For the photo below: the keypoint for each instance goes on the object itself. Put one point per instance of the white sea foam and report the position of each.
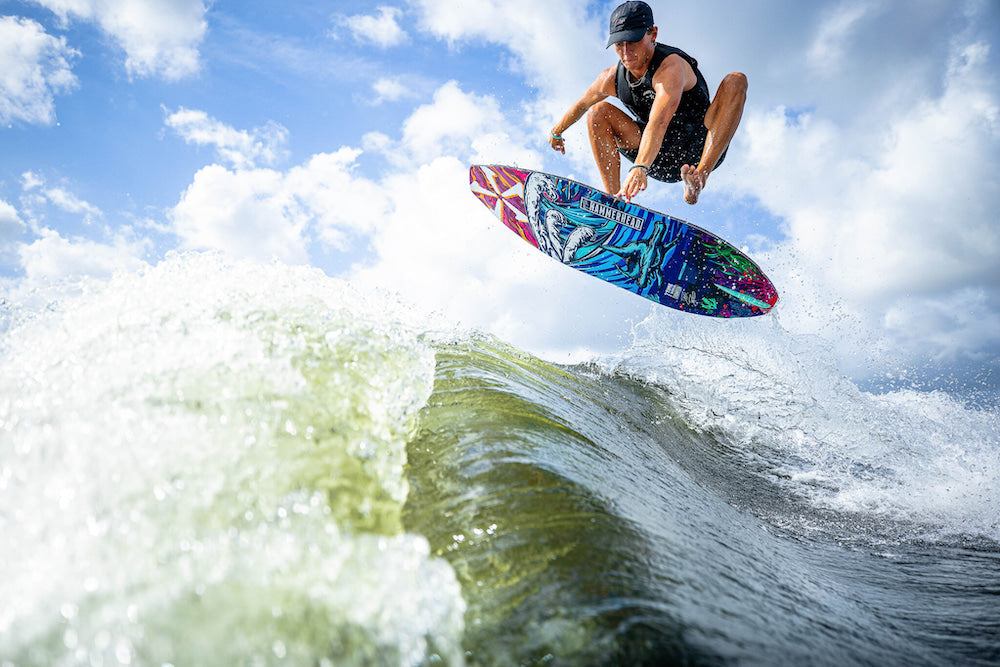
(203, 464)
(921, 457)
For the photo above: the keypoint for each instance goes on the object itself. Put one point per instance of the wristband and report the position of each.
(555, 136)
(640, 166)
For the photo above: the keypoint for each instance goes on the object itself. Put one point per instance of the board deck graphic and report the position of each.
(654, 255)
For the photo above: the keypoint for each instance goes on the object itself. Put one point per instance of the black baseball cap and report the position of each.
(629, 22)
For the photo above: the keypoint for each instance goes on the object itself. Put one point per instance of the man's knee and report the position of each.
(599, 114)
(735, 83)
(729, 99)
(599, 122)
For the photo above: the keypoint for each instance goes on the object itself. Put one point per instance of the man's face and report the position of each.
(636, 55)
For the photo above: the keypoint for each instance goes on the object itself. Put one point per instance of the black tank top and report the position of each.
(638, 97)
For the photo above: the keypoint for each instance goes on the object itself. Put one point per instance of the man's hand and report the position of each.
(556, 141)
(635, 183)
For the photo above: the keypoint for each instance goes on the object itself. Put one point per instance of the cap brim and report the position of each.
(626, 36)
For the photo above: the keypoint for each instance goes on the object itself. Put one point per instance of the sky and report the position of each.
(863, 178)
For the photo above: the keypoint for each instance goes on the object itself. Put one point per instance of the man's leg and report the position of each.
(610, 128)
(722, 119)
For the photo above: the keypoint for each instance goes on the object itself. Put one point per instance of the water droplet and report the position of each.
(123, 652)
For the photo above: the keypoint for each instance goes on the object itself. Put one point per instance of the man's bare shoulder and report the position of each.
(675, 69)
(605, 82)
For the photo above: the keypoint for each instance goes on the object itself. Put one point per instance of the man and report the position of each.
(677, 126)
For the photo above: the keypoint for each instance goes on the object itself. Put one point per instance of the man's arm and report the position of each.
(603, 87)
(669, 83)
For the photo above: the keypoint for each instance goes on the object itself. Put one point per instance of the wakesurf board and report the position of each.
(654, 255)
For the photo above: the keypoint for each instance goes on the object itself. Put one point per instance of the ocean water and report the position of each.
(213, 462)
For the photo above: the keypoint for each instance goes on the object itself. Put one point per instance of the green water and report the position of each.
(502, 477)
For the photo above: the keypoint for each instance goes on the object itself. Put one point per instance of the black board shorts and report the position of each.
(681, 146)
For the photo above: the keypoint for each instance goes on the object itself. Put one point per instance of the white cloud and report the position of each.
(390, 90)
(448, 123)
(381, 29)
(241, 148)
(263, 213)
(966, 325)
(31, 181)
(556, 44)
(473, 127)
(244, 213)
(51, 258)
(11, 230)
(338, 202)
(553, 43)
(883, 222)
(39, 195)
(833, 37)
(34, 67)
(377, 142)
(10, 223)
(67, 201)
(159, 37)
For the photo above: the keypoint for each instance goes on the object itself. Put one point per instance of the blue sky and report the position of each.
(863, 177)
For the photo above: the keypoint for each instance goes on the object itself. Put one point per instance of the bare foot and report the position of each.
(694, 183)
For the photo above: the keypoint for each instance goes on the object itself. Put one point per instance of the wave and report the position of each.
(923, 458)
(214, 462)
